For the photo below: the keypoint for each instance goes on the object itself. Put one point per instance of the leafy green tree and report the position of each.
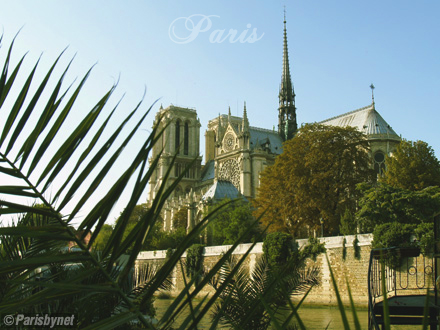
(103, 236)
(180, 219)
(348, 224)
(382, 203)
(393, 234)
(138, 214)
(315, 177)
(231, 222)
(413, 166)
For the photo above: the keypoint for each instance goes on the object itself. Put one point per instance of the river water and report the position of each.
(312, 317)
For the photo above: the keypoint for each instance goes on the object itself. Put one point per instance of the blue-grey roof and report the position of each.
(208, 171)
(261, 136)
(366, 120)
(220, 190)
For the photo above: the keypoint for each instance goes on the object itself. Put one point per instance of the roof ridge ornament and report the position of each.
(372, 96)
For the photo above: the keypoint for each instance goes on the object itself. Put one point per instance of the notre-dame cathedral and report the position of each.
(236, 152)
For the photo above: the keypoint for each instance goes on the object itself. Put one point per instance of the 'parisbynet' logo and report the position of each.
(183, 30)
(44, 321)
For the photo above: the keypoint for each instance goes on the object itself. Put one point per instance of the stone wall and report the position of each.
(352, 269)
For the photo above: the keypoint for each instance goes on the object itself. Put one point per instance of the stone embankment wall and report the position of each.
(353, 269)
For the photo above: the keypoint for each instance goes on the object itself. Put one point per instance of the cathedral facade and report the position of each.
(236, 153)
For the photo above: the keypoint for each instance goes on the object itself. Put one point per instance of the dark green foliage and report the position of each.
(348, 224)
(168, 239)
(231, 222)
(413, 166)
(344, 249)
(382, 203)
(313, 248)
(103, 237)
(278, 248)
(180, 219)
(194, 261)
(255, 301)
(393, 234)
(425, 237)
(356, 248)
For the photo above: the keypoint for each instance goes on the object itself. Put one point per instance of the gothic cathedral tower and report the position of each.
(287, 125)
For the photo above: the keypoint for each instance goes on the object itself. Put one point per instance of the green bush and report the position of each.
(278, 248)
(425, 237)
(313, 248)
(194, 261)
(393, 234)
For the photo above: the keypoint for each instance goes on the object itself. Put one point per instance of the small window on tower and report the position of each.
(379, 162)
(186, 139)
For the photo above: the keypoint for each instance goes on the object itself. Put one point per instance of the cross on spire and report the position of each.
(372, 93)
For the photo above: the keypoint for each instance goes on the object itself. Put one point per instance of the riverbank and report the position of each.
(349, 262)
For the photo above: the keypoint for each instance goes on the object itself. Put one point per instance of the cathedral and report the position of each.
(236, 152)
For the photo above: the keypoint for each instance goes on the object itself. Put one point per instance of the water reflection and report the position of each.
(313, 317)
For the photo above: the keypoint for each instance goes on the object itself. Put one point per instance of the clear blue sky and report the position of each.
(336, 48)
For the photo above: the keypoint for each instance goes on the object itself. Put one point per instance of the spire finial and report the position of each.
(245, 121)
(284, 14)
(372, 94)
(229, 114)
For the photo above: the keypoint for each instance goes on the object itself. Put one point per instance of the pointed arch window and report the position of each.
(186, 139)
(379, 162)
(177, 138)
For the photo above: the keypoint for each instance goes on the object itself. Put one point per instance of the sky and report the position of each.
(181, 53)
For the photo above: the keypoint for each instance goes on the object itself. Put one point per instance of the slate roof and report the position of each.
(208, 171)
(220, 190)
(366, 120)
(259, 136)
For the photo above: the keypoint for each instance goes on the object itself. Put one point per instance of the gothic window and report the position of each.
(186, 139)
(230, 171)
(379, 162)
(177, 191)
(177, 135)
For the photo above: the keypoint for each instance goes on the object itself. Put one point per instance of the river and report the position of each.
(313, 317)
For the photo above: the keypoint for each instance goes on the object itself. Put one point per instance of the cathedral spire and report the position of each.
(286, 111)
(245, 122)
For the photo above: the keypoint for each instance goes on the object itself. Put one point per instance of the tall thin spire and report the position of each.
(287, 111)
(286, 89)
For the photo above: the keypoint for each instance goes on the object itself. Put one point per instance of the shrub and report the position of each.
(194, 261)
(313, 248)
(393, 234)
(278, 248)
(425, 237)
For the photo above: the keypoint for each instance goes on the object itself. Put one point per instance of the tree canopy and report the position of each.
(382, 203)
(412, 166)
(231, 222)
(314, 178)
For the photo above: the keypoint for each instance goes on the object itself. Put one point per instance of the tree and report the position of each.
(412, 166)
(103, 236)
(314, 178)
(180, 219)
(231, 222)
(348, 223)
(381, 203)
